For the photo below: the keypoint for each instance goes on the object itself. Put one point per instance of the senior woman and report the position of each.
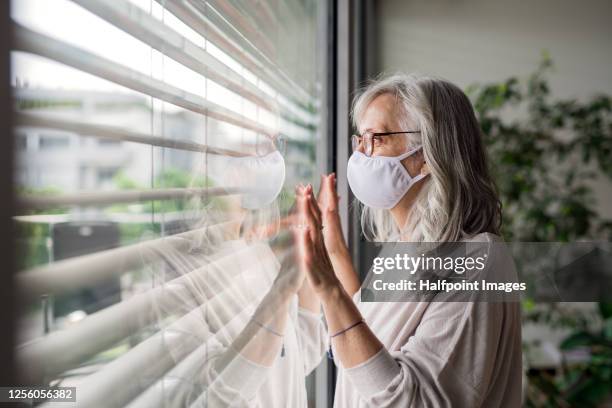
(419, 167)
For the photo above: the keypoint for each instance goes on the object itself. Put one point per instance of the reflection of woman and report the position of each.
(419, 168)
(248, 330)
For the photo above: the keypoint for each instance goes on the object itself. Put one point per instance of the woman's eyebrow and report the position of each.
(382, 129)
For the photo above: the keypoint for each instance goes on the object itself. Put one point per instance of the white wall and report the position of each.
(467, 41)
(484, 40)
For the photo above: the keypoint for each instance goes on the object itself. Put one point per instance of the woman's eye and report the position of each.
(377, 140)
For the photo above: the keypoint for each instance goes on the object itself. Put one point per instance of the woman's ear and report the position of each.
(425, 169)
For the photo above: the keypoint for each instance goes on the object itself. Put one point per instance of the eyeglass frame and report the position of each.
(278, 142)
(356, 143)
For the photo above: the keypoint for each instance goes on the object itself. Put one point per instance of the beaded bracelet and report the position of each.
(330, 354)
(274, 332)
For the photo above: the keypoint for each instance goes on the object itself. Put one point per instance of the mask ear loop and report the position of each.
(280, 143)
(265, 145)
(419, 176)
(409, 153)
(258, 146)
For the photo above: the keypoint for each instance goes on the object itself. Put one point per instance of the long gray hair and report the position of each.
(460, 199)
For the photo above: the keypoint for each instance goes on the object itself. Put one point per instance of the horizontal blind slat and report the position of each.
(237, 48)
(189, 367)
(173, 344)
(118, 134)
(61, 350)
(156, 34)
(226, 14)
(67, 275)
(220, 20)
(30, 41)
(101, 198)
(244, 26)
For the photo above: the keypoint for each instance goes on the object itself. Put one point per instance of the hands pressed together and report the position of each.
(318, 234)
(322, 273)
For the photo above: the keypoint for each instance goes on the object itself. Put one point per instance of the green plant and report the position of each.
(31, 238)
(590, 383)
(169, 178)
(586, 382)
(544, 160)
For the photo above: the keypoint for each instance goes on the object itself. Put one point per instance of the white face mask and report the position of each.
(262, 178)
(380, 181)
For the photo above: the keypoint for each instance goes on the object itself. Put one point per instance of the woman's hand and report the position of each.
(314, 258)
(333, 237)
(290, 276)
(359, 343)
(330, 218)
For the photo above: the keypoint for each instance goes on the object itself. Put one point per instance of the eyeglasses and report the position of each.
(268, 144)
(367, 140)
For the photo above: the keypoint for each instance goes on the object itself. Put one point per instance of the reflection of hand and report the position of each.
(290, 276)
(314, 259)
(330, 218)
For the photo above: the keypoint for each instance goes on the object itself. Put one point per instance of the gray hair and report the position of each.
(460, 199)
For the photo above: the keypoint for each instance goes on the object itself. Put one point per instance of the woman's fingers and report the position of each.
(315, 268)
(301, 230)
(316, 233)
(304, 245)
(288, 221)
(313, 257)
(310, 215)
(313, 205)
(306, 218)
(333, 193)
(325, 196)
(321, 195)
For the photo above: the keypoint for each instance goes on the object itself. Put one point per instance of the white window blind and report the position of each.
(154, 102)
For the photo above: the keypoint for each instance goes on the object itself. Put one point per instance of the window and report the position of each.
(108, 143)
(147, 106)
(47, 142)
(106, 175)
(21, 141)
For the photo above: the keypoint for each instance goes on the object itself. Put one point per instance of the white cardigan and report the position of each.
(439, 354)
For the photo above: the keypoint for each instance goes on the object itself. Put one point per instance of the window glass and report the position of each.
(125, 145)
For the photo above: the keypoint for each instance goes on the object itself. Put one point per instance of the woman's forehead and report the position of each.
(383, 114)
(380, 114)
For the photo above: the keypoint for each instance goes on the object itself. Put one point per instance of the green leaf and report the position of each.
(605, 308)
(591, 393)
(528, 305)
(579, 339)
(607, 329)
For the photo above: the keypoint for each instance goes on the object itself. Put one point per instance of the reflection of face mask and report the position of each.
(262, 177)
(380, 181)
